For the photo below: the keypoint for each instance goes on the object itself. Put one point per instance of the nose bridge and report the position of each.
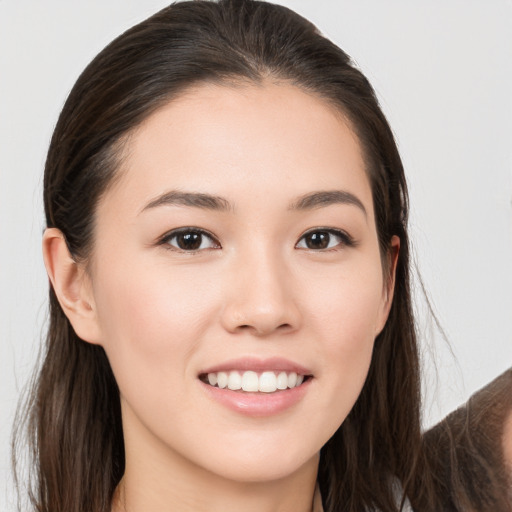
(260, 298)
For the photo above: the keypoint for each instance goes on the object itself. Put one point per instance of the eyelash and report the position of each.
(345, 239)
(166, 239)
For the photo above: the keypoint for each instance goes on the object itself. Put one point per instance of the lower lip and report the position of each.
(258, 404)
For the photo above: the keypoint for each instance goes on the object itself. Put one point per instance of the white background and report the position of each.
(443, 72)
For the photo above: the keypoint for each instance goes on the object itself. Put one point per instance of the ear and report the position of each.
(389, 284)
(71, 285)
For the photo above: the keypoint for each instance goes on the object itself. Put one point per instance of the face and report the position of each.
(238, 248)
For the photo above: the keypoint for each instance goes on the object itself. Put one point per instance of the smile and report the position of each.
(254, 382)
(257, 387)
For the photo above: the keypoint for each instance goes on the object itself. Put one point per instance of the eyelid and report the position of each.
(169, 235)
(346, 239)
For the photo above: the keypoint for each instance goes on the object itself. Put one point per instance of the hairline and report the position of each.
(118, 151)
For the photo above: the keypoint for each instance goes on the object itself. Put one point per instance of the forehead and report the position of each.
(270, 140)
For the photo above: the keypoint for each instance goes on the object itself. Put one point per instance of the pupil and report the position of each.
(189, 241)
(318, 240)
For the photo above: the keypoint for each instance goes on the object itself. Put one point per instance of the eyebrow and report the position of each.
(309, 201)
(193, 199)
(326, 198)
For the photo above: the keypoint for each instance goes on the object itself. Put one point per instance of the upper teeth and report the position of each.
(266, 382)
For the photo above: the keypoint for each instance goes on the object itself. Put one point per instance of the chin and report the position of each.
(257, 464)
(263, 472)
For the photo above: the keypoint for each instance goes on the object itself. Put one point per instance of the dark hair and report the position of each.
(75, 419)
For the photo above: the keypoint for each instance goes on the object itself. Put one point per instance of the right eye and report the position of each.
(325, 239)
(190, 240)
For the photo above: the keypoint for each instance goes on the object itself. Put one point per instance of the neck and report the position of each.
(157, 479)
(133, 495)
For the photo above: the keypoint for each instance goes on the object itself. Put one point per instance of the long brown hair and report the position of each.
(466, 455)
(74, 420)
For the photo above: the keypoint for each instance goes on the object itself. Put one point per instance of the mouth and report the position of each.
(257, 387)
(249, 381)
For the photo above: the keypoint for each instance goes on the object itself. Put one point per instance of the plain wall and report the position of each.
(443, 72)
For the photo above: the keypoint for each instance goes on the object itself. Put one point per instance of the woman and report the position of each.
(230, 307)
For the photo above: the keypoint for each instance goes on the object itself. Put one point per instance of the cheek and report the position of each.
(344, 315)
(151, 320)
(348, 306)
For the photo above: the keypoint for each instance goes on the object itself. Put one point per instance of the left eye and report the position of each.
(190, 240)
(322, 239)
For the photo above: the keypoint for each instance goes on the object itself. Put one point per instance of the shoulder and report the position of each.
(470, 451)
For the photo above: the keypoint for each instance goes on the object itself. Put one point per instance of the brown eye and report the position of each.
(318, 240)
(190, 240)
(321, 239)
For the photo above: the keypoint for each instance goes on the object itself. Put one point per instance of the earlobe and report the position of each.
(71, 286)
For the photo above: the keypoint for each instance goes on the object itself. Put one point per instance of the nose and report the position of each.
(260, 297)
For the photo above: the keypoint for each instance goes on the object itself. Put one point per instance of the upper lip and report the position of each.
(277, 364)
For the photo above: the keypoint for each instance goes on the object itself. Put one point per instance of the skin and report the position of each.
(255, 289)
(507, 442)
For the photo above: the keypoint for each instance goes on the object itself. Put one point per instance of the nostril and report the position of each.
(260, 329)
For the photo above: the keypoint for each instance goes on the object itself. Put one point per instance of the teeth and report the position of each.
(222, 379)
(249, 381)
(268, 382)
(282, 381)
(292, 380)
(234, 381)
